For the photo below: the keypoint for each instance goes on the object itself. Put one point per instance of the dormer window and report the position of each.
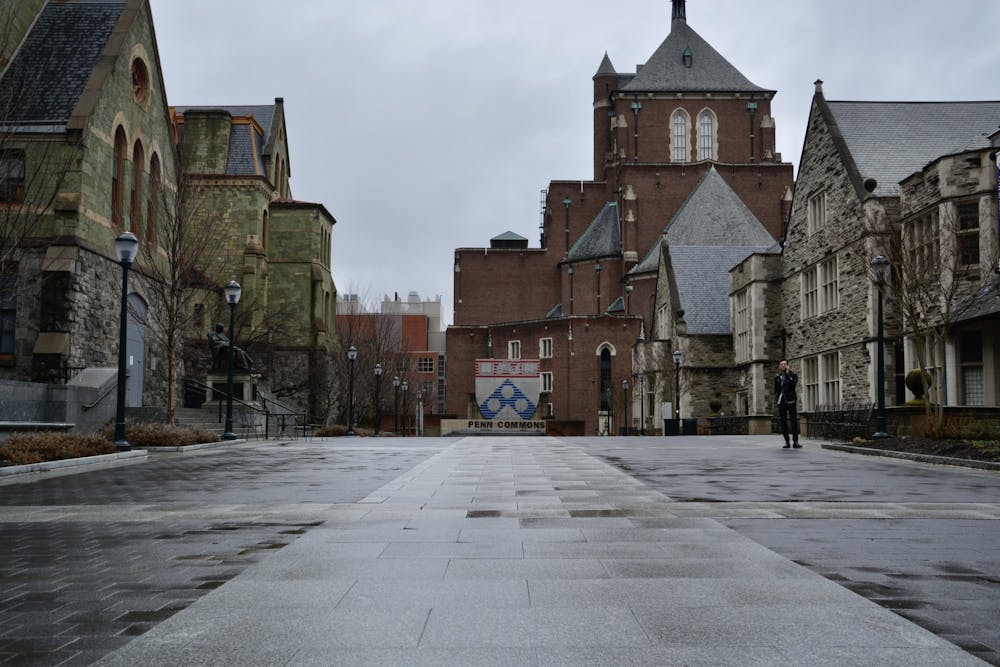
(687, 58)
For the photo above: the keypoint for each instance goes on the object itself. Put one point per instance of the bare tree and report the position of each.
(934, 283)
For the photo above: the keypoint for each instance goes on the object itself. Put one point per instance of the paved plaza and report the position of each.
(503, 551)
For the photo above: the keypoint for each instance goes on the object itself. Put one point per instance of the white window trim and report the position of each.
(514, 349)
(547, 382)
(687, 137)
(541, 348)
(816, 212)
(715, 134)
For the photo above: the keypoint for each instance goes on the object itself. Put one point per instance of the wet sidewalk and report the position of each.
(528, 551)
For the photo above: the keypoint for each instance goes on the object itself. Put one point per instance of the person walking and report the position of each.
(785, 397)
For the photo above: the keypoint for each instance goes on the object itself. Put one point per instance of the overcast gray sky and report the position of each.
(427, 126)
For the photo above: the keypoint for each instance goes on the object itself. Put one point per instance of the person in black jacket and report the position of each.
(785, 397)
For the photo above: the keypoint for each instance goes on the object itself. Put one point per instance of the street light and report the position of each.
(677, 383)
(405, 387)
(642, 404)
(880, 275)
(352, 356)
(232, 292)
(126, 248)
(378, 396)
(395, 405)
(625, 394)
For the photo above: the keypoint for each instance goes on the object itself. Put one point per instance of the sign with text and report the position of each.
(508, 389)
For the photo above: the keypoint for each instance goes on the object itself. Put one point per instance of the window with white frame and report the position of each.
(830, 378)
(967, 233)
(514, 349)
(816, 212)
(679, 136)
(741, 324)
(550, 411)
(809, 293)
(970, 361)
(829, 285)
(706, 135)
(545, 348)
(922, 240)
(810, 383)
(546, 381)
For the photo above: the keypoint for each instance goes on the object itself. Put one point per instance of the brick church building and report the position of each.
(633, 265)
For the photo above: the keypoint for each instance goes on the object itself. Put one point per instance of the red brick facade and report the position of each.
(504, 295)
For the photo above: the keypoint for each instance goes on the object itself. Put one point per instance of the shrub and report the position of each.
(146, 434)
(26, 448)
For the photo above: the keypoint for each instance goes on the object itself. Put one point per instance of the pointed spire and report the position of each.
(679, 11)
(605, 67)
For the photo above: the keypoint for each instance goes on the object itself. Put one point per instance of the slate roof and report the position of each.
(891, 140)
(246, 147)
(617, 306)
(556, 312)
(711, 233)
(605, 67)
(50, 70)
(601, 239)
(709, 71)
(508, 236)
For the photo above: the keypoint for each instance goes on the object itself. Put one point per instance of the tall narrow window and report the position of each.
(829, 285)
(137, 159)
(263, 232)
(8, 312)
(831, 378)
(809, 296)
(605, 379)
(810, 379)
(11, 176)
(152, 195)
(546, 381)
(970, 359)
(706, 135)
(514, 349)
(117, 176)
(968, 234)
(678, 136)
(741, 325)
(545, 348)
(816, 212)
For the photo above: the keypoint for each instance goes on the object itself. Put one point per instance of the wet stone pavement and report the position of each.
(90, 561)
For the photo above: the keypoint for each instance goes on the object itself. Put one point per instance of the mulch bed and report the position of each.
(976, 450)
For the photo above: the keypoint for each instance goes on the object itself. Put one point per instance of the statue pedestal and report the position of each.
(244, 386)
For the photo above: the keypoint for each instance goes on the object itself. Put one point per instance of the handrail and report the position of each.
(285, 410)
(221, 394)
(111, 387)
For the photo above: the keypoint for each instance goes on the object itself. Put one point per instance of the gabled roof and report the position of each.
(48, 74)
(665, 71)
(601, 239)
(508, 236)
(889, 141)
(711, 233)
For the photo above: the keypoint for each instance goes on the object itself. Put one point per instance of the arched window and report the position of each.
(706, 135)
(605, 379)
(679, 137)
(278, 169)
(137, 159)
(117, 174)
(152, 194)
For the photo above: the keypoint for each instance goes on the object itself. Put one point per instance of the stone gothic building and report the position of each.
(633, 265)
(89, 148)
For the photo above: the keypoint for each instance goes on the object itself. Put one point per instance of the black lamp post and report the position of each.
(352, 356)
(677, 383)
(642, 404)
(625, 395)
(233, 292)
(880, 275)
(395, 405)
(378, 396)
(405, 387)
(126, 247)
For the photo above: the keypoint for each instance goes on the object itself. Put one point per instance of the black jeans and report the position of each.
(789, 412)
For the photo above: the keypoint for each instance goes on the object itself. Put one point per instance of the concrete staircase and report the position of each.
(207, 419)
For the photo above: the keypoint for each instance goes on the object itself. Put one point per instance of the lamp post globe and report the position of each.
(352, 356)
(879, 273)
(126, 248)
(395, 404)
(378, 397)
(233, 291)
